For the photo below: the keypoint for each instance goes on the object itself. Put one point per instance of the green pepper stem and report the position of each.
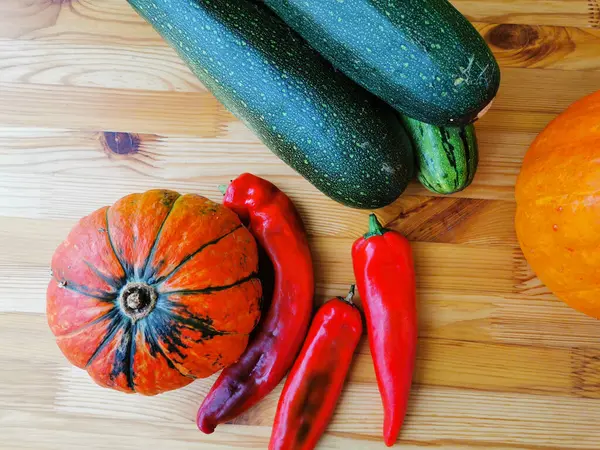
(222, 188)
(375, 227)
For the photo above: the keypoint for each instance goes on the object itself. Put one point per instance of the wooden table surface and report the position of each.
(502, 363)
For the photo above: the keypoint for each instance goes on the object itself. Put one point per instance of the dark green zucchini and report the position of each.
(420, 56)
(447, 157)
(344, 140)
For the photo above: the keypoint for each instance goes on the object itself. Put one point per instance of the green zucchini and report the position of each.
(421, 56)
(344, 140)
(447, 157)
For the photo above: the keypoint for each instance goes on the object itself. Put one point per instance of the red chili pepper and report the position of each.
(315, 382)
(277, 226)
(385, 277)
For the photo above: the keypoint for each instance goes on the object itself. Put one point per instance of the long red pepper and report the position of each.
(276, 224)
(385, 277)
(315, 382)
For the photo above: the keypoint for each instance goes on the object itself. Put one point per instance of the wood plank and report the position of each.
(538, 91)
(36, 374)
(466, 293)
(496, 419)
(32, 157)
(440, 362)
(438, 415)
(504, 133)
(24, 292)
(151, 68)
(421, 219)
(156, 66)
(517, 318)
(76, 394)
(164, 159)
(535, 46)
(69, 431)
(197, 113)
(69, 391)
(575, 13)
(128, 174)
(451, 268)
(549, 91)
(491, 367)
(75, 20)
(113, 21)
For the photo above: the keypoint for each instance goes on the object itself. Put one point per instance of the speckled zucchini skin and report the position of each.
(344, 140)
(420, 56)
(447, 157)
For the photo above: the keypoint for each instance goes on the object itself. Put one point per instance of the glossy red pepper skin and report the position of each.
(316, 380)
(275, 223)
(385, 277)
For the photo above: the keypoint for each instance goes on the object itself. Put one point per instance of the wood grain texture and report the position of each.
(575, 13)
(538, 46)
(95, 65)
(522, 412)
(155, 66)
(114, 20)
(546, 92)
(93, 106)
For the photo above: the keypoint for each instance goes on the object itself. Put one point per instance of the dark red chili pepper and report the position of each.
(315, 382)
(277, 226)
(385, 277)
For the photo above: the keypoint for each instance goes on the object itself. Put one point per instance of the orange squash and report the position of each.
(154, 291)
(558, 206)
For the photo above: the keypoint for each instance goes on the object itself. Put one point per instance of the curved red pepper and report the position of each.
(276, 224)
(315, 382)
(385, 277)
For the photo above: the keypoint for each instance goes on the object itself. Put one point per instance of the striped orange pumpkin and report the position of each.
(154, 291)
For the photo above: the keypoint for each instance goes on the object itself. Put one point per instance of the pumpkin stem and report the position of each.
(133, 301)
(137, 300)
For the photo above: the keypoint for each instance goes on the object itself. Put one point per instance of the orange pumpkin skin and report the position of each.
(155, 291)
(558, 206)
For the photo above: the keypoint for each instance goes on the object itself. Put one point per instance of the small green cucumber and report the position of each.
(447, 157)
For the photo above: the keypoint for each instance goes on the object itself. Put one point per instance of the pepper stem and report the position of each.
(350, 295)
(222, 188)
(375, 227)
